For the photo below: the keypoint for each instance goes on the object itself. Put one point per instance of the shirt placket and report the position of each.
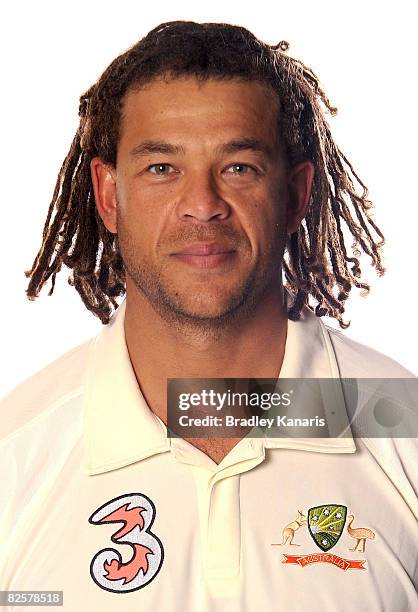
(219, 508)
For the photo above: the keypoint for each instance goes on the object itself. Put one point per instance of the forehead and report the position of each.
(198, 108)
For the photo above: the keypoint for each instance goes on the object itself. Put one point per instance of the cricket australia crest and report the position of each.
(326, 524)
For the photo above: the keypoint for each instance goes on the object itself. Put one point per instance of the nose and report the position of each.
(200, 199)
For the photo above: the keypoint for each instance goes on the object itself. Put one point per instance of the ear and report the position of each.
(300, 180)
(103, 177)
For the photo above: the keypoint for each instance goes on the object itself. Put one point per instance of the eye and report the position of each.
(160, 169)
(239, 169)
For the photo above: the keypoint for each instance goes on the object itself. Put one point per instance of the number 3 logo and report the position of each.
(137, 513)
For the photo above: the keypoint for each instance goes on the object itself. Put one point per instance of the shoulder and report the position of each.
(55, 384)
(357, 360)
(397, 456)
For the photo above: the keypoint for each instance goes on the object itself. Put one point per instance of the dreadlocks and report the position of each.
(317, 265)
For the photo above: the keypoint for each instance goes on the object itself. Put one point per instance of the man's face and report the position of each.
(201, 196)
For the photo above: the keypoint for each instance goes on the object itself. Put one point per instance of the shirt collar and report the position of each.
(309, 354)
(119, 427)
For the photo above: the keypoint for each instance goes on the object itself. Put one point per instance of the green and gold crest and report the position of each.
(326, 524)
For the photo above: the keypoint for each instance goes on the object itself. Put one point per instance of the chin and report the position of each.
(203, 311)
(209, 309)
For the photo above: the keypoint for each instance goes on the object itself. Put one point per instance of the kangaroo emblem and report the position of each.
(325, 524)
(289, 531)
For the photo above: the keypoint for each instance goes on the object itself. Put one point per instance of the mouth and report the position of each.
(205, 254)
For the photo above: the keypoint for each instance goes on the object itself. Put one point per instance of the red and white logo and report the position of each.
(136, 512)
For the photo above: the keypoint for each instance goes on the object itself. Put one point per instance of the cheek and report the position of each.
(141, 223)
(267, 221)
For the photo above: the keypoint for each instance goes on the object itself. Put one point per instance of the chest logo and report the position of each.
(136, 513)
(326, 524)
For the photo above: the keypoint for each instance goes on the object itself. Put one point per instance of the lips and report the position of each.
(204, 248)
(206, 255)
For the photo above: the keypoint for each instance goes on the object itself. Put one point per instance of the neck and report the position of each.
(249, 348)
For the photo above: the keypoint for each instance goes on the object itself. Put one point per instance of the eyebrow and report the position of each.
(246, 144)
(149, 147)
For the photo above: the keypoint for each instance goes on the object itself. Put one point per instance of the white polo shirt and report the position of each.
(97, 502)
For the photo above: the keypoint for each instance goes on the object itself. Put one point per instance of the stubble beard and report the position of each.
(166, 301)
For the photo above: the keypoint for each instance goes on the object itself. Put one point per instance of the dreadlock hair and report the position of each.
(317, 264)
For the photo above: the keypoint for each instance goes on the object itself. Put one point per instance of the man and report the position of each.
(203, 165)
